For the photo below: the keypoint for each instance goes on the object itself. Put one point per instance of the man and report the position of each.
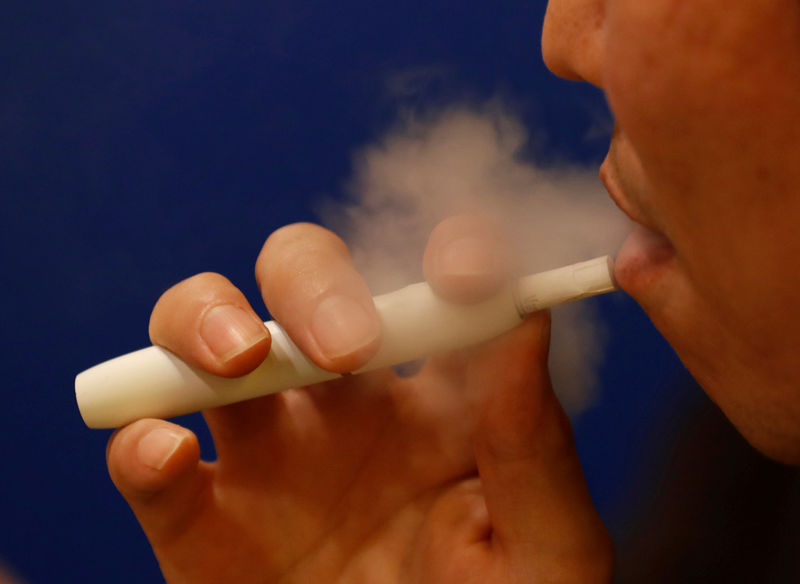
(467, 472)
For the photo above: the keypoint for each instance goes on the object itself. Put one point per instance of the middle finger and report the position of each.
(311, 288)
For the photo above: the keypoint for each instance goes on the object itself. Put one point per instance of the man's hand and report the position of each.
(465, 472)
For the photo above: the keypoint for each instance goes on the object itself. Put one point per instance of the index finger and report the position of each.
(208, 322)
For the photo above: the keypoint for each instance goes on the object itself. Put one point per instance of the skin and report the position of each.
(467, 471)
(706, 96)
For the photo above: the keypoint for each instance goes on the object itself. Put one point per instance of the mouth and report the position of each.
(646, 248)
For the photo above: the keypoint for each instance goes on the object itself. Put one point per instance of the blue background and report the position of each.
(143, 142)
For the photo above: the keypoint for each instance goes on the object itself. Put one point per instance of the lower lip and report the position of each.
(642, 252)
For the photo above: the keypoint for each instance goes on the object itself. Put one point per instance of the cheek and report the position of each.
(678, 68)
(658, 84)
(711, 111)
(700, 74)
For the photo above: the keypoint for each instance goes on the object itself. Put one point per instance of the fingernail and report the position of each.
(467, 256)
(341, 326)
(229, 331)
(158, 446)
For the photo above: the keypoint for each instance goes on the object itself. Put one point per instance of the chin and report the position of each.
(774, 436)
(784, 449)
(761, 409)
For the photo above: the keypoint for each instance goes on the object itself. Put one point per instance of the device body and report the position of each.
(153, 382)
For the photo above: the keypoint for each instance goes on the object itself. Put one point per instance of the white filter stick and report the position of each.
(155, 383)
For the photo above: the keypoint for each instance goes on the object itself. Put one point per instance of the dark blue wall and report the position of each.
(141, 142)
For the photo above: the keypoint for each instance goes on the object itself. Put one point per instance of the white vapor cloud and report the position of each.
(470, 160)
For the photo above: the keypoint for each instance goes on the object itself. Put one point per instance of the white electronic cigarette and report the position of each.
(155, 383)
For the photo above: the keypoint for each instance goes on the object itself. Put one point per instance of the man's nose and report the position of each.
(572, 39)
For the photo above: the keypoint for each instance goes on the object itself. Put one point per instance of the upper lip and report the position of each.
(617, 194)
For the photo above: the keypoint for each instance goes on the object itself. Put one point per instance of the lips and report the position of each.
(646, 248)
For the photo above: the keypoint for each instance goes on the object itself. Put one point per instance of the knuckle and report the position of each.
(205, 279)
(193, 288)
(186, 301)
(467, 258)
(301, 255)
(300, 238)
(467, 224)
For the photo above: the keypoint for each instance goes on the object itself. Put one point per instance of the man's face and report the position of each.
(706, 158)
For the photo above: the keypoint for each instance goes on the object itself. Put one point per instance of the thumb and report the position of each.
(541, 513)
(155, 465)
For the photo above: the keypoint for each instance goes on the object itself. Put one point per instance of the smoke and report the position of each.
(467, 160)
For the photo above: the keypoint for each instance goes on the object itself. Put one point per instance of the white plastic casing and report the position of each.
(416, 323)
